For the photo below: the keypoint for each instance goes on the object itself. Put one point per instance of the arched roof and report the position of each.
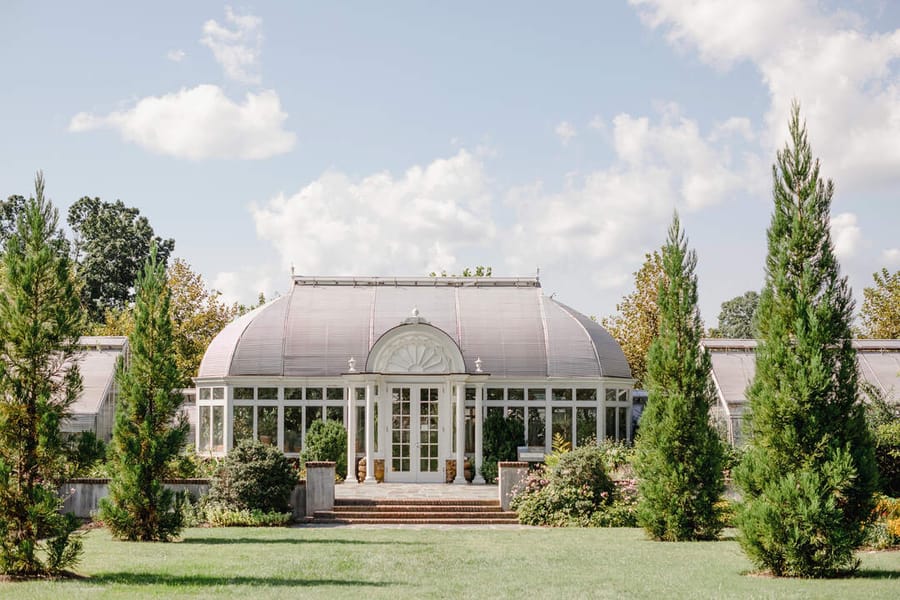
(507, 322)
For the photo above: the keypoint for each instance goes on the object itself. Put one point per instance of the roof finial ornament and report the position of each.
(415, 311)
(352, 365)
(292, 269)
(478, 364)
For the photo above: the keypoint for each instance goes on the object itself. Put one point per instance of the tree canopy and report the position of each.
(637, 323)
(736, 317)
(880, 312)
(111, 243)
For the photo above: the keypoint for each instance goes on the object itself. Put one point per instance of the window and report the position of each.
(333, 393)
(334, 413)
(267, 393)
(495, 394)
(314, 393)
(494, 410)
(562, 395)
(537, 426)
(586, 395)
(293, 393)
(585, 425)
(361, 428)
(537, 395)
(243, 424)
(218, 425)
(516, 395)
(610, 421)
(293, 428)
(562, 422)
(218, 393)
(313, 414)
(267, 424)
(204, 426)
(243, 393)
(204, 393)
(516, 412)
(623, 424)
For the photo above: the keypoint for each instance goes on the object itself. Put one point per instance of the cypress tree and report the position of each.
(148, 432)
(679, 459)
(40, 321)
(808, 477)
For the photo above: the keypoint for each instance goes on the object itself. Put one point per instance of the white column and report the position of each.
(460, 433)
(370, 434)
(479, 418)
(351, 435)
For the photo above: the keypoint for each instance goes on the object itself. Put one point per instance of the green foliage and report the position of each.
(221, 516)
(187, 464)
(254, 476)
(884, 532)
(501, 438)
(679, 455)
(40, 322)
(736, 317)
(479, 271)
(636, 323)
(83, 451)
(112, 243)
(489, 470)
(887, 456)
(880, 313)
(570, 493)
(327, 440)
(148, 432)
(809, 472)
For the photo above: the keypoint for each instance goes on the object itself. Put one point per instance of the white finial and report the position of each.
(292, 269)
(415, 311)
(352, 364)
(478, 364)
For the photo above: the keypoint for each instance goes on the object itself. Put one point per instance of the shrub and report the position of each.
(222, 516)
(489, 470)
(189, 465)
(502, 436)
(327, 440)
(83, 451)
(887, 455)
(254, 476)
(884, 532)
(572, 493)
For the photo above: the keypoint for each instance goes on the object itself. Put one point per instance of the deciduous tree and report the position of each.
(736, 317)
(809, 473)
(880, 312)
(41, 320)
(637, 323)
(679, 455)
(148, 432)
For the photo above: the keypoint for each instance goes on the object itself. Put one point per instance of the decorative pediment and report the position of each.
(415, 348)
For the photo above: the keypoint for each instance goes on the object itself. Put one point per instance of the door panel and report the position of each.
(415, 434)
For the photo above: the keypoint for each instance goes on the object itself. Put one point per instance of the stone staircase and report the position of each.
(418, 511)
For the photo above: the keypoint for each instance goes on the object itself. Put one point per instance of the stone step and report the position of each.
(413, 502)
(412, 508)
(499, 516)
(417, 521)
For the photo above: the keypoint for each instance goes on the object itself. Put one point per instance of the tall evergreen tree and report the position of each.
(148, 431)
(40, 321)
(808, 477)
(679, 459)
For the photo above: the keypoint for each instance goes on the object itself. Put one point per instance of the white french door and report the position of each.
(415, 434)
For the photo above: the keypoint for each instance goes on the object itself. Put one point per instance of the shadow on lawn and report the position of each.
(875, 574)
(222, 541)
(126, 578)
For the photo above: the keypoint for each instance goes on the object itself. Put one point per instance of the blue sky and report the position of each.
(400, 138)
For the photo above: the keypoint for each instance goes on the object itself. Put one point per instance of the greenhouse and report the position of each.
(411, 368)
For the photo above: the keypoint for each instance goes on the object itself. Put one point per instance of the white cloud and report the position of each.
(236, 45)
(846, 234)
(200, 123)
(597, 123)
(846, 80)
(565, 131)
(891, 256)
(243, 286)
(416, 223)
(175, 55)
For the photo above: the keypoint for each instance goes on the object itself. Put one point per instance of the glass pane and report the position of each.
(586, 395)
(218, 393)
(495, 394)
(314, 393)
(313, 414)
(428, 429)
(334, 413)
(333, 393)
(537, 395)
(623, 395)
(267, 424)
(243, 425)
(293, 428)
(494, 410)
(375, 409)
(400, 408)
(204, 393)
(610, 395)
(562, 422)
(267, 393)
(470, 428)
(561, 395)
(453, 425)
(293, 393)
(516, 412)
(243, 393)
(611, 422)
(470, 395)
(360, 394)
(515, 395)
(585, 425)
(623, 424)
(537, 426)
(204, 426)
(218, 417)
(361, 428)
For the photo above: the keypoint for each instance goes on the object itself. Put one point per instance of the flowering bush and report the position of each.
(576, 492)
(884, 532)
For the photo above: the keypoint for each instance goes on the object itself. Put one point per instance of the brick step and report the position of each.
(500, 516)
(416, 521)
(417, 508)
(413, 502)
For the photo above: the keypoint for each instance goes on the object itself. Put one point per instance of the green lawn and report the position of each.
(449, 563)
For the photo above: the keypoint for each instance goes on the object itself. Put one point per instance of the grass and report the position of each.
(438, 563)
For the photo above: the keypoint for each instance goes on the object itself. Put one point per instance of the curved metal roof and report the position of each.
(507, 322)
